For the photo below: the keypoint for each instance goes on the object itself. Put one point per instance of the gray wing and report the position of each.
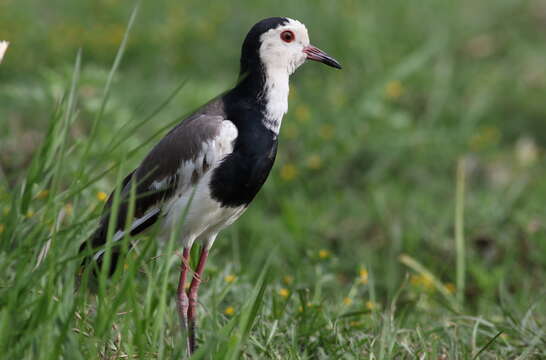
(177, 162)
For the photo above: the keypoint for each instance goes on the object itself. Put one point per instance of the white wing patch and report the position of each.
(212, 152)
(204, 215)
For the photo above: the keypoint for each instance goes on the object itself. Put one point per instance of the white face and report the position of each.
(282, 48)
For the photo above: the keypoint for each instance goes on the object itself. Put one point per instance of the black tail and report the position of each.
(94, 246)
(144, 212)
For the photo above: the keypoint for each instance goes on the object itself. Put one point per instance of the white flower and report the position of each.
(527, 151)
(3, 48)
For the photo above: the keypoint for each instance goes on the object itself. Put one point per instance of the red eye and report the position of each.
(287, 36)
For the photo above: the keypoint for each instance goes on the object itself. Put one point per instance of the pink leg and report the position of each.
(182, 301)
(192, 294)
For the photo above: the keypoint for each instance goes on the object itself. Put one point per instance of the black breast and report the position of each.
(243, 172)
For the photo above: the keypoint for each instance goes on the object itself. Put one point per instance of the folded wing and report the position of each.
(172, 167)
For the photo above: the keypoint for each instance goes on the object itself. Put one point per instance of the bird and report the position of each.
(204, 172)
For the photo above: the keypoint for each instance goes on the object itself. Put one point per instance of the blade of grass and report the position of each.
(43, 160)
(68, 118)
(459, 231)
(489, 343)
(249, 314)
(419, 268)
(103, 308)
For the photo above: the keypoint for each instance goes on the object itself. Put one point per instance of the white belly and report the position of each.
(199, 216)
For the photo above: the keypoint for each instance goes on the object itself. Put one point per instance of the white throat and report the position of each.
(276, 97)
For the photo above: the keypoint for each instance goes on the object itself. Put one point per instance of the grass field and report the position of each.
(404, 218)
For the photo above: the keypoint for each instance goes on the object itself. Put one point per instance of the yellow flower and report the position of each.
(324, 254)
(363, 276)
(68, 209)
(450, 287)
(326, 131)
(2, 228)
(427, 282)
(288, 280)
(42, 194)
(229, 311)
(30, 213)
(394, 89)
(372, 305)
(284, 292)
(485, 137)
(230, 278)
(422, 281)
(102, 196)
(289, 172)
(347, 301)
(307, 306)
(303, 114)
(314, 162)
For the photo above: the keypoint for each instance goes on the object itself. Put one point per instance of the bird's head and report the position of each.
(280, 44)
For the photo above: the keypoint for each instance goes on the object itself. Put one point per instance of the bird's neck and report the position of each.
(275, 94)
(269, 88)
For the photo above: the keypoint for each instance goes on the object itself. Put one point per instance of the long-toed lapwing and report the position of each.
(213, 163)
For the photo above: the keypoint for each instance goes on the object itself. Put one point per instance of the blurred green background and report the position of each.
(359, 211)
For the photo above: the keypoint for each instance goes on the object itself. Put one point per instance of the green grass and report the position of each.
(404, 217)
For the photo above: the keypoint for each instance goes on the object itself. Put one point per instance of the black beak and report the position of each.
(316, 54)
